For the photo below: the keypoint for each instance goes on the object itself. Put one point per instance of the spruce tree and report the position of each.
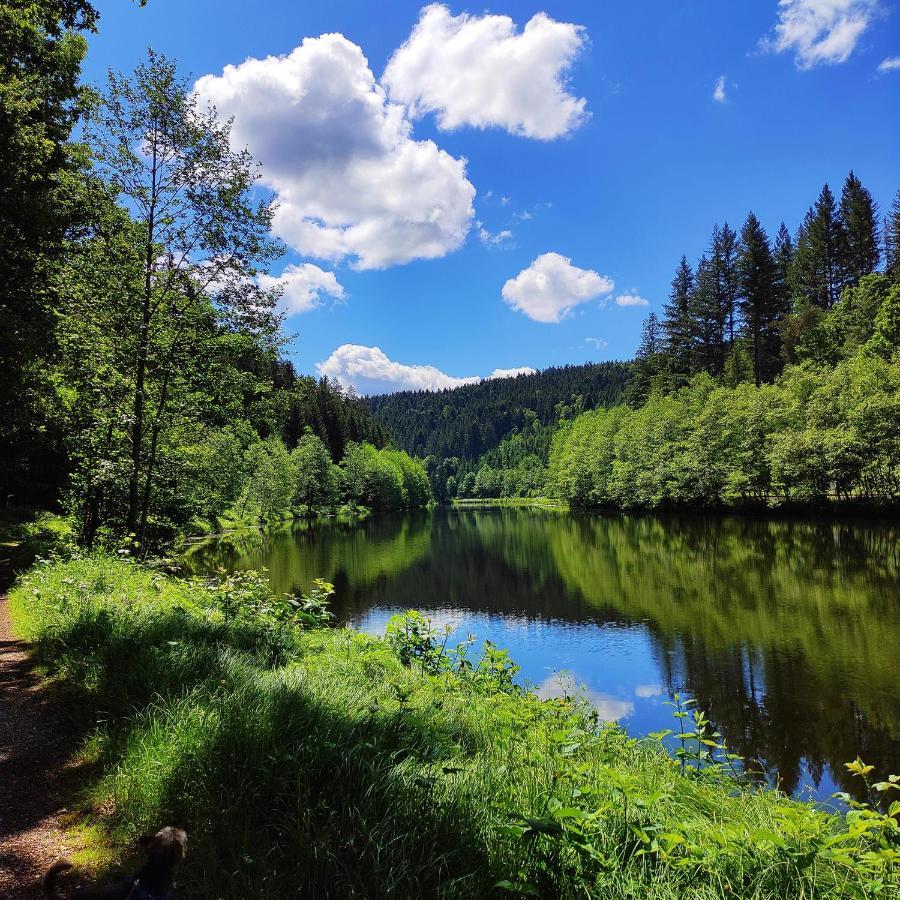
(707, 334)
(724, 257)
(892, 239)
(647, 362)
(859, 215)
(818, 274)
(758, 298)
(676, 325)
(784, 259)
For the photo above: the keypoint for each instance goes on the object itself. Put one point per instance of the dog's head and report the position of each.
(167, 847)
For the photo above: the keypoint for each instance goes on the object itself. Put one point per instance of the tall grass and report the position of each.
(323, 763)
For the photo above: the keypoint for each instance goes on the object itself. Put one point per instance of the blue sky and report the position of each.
(491, 201)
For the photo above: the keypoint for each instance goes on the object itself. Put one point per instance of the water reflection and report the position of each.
(785, 631)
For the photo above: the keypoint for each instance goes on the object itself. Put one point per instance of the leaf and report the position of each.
(771, 837)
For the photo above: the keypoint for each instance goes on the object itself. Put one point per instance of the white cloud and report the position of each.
(511, 373)
(370, 371)
(599, 343)
(631, 300)
(480, 71)
(719, 94)
(646, 691)
(551, 287)
(889, 64)
(349, 179)
(609, 709)
(302, 287)
(820, 31)
(493, 239)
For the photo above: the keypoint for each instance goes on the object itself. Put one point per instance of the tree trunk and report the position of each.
(137, 428)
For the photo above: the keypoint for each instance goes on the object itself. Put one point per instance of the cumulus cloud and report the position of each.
(511, 373)
(820, 31)
(631, 300)
(350, 180)
(719, 94)
(302, 287)
(370, 371)
(480, 71)
(889, 64)
(551, 287)
(599, 343)
(609, 709)
(646, 691)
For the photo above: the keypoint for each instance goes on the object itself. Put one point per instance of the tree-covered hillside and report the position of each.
(468, 421)
(773, 376)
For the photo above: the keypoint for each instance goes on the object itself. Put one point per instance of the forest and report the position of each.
(773, 376)
(499, 429)
(144, 390)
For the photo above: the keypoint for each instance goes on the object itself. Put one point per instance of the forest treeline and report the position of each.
(143, 382)
(773, 375)
(499, 422)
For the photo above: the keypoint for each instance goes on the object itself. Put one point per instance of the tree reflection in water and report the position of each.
(785, 631)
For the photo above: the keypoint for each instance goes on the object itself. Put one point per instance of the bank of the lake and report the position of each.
(313, 762)
(782, 628)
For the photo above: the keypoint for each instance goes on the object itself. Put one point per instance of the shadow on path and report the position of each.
(37, 738)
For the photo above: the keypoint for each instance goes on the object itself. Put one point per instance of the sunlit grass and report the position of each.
(314, 763)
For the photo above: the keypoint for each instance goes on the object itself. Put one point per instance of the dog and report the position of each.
(155, 880)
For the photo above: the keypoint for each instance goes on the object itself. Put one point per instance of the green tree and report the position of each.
(859, 215)
(313, 476)
(707, 321)
(892, 239)
(677, 325)
(760, 304)
(648, 361)
(198, 232)
(41, 51)
(272, 481)
(818, 273)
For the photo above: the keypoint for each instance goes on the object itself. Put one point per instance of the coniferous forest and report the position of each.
(773, 375)
(770, 377)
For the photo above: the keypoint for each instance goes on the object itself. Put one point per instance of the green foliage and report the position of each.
(826, 429)
(456, 430)
(41, 51)
(316, 760)
(384, 479)
(315, 473)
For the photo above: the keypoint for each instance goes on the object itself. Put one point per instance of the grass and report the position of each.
(319, 762)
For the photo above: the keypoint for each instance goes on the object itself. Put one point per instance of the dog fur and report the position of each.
(154, 881)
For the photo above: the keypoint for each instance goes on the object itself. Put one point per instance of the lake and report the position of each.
(786, 632)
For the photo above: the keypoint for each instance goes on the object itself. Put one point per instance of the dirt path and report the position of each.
(35, 743)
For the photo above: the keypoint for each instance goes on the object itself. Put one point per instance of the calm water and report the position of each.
(787, 632)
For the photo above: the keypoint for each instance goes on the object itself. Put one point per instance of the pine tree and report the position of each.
(784, 259)
(892, 239)
(714, 307)
(707, 334)
(647, 362)
(859, 214)
(758, 298)
(817, 274)
(724, 257)
(676, 325)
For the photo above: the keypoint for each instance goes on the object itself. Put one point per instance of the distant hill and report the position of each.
(466, 422)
